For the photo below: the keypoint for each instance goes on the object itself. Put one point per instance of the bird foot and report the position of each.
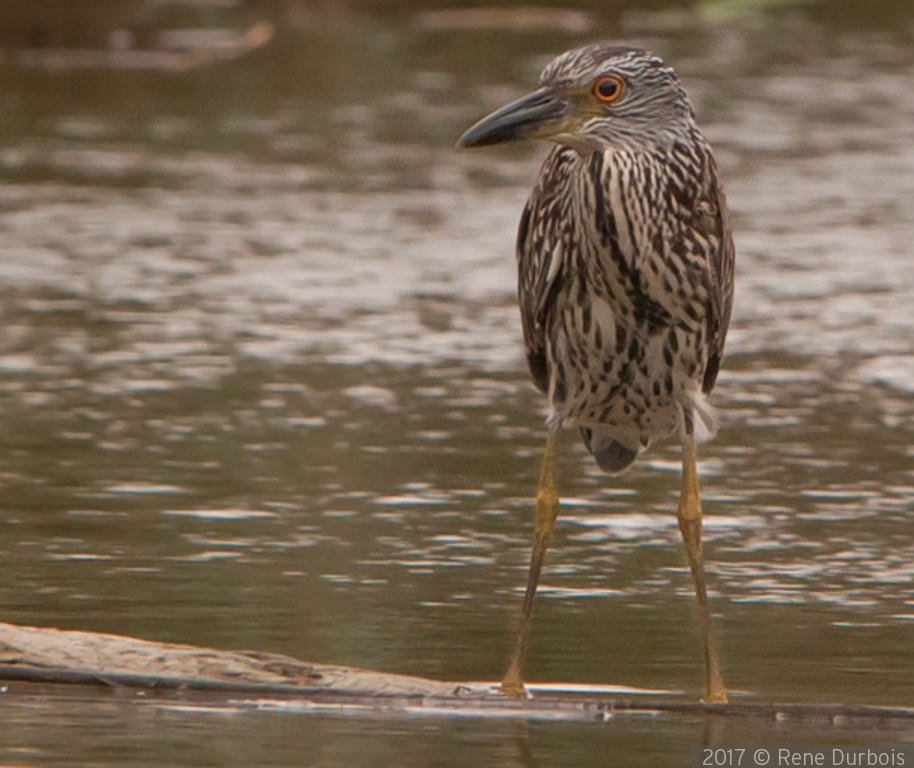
(716, 695)
(513, 687)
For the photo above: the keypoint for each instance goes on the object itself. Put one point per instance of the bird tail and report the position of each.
(612, 456)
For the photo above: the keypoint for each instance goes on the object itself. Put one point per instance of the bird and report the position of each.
(625, 261)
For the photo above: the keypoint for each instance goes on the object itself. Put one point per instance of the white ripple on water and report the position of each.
(574, 593)
(896, 371)
(206, 557)
(220, 514)
(143, 488)
(632, 526)
(413, 500)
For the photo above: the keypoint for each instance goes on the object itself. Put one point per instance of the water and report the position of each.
(261, 386)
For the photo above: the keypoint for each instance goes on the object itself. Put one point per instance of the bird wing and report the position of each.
(721, 260)
(542, 245)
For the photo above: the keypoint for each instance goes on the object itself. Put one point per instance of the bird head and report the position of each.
(596, 98)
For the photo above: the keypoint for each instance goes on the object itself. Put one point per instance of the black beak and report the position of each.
(541, 114)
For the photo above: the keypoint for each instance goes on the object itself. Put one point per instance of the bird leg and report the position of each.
(690, 526)
(547, 509)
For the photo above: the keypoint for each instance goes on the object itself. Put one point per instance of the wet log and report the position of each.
(70, 658)
(39, 654)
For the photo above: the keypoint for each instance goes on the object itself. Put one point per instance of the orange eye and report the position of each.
(608, 88)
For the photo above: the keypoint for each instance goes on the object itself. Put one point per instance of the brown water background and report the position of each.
(262, 387)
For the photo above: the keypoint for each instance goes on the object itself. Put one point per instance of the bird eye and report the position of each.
(608, 88)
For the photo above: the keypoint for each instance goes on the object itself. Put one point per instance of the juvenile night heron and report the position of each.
(625, 263)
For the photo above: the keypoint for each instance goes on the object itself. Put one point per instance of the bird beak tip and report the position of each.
(462, 143)
(482, 134)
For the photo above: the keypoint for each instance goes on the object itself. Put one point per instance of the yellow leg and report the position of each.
(690, 526)
(547, 509)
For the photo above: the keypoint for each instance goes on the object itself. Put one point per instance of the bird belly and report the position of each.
(623, 383)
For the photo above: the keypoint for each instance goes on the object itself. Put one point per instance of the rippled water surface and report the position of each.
(261, 386)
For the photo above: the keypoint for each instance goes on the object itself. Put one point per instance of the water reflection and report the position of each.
(140, 733)
(262, 386)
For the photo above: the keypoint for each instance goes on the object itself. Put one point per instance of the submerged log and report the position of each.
(46, 655)
(53, 656)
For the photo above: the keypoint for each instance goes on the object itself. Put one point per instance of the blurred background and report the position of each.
(262, 383)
